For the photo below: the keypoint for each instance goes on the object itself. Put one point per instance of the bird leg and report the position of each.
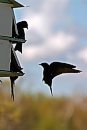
(51, 90)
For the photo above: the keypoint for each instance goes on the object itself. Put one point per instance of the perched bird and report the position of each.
(21, 34)
(14, 68)
(54, 69)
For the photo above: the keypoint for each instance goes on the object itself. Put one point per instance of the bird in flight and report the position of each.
(21, 34)
(55, 69)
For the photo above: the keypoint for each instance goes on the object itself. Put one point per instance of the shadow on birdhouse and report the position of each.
(9, 35)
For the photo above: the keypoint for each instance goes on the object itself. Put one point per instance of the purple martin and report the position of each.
(21, 34)
(55, 69)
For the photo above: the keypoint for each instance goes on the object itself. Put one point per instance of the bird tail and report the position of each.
(18, 47)
(12, 90)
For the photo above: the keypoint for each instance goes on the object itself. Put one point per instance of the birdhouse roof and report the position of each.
(14, 3)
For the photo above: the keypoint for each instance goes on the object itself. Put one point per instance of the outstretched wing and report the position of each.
(60, 64)
(57, 68)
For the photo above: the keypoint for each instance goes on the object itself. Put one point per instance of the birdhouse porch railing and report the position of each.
(11, 39)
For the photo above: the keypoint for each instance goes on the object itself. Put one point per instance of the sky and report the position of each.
(57, 32)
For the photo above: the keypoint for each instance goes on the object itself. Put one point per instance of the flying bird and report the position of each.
(55, 69)
(21, 34)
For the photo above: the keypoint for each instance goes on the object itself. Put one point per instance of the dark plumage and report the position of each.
(12, 79)
(14, 68)
(21, 34)
(13, 65)
(54, 69)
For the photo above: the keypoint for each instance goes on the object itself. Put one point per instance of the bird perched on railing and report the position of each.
(14, 68)
(54, 69)
(21, 34)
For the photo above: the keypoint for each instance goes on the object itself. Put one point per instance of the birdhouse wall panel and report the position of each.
(16, 58)
(5, 55)
(14, 22)
(5, 19)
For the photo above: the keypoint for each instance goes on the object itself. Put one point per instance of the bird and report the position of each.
(14, 68)
(21, 34)
(55, 69)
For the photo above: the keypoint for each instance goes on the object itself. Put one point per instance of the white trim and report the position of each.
(12, 39)
(4, 73)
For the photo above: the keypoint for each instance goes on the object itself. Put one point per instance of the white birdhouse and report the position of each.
(7, 19)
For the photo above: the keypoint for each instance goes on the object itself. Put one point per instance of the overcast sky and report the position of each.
(57, 32)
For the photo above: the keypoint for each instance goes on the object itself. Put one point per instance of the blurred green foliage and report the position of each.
(39, 112)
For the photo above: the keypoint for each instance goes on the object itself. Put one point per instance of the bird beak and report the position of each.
(40, 64)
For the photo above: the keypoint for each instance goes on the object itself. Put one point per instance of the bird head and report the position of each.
(24, 24)
(44, 65)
